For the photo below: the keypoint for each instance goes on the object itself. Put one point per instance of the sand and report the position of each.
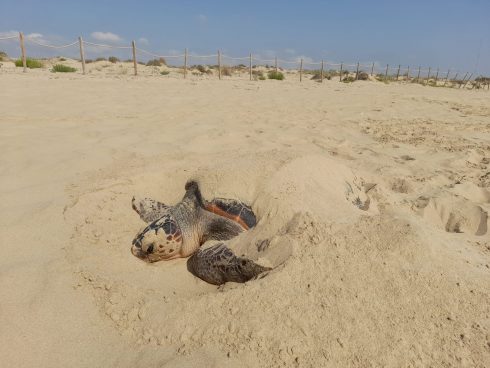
(403, 281)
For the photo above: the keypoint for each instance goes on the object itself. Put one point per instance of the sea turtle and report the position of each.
(180, 230)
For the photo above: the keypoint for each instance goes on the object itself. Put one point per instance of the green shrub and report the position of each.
(275, 75)
(60, 68)
(113, 59)
(156, 62)
(226, 71)
(480, 79)
(348, 79)
(62, 59)
(31, 63)
(258, 74)
(201, 68)
(317, 75)
(164, 72)
(101, 59)
(3, 56)
(363, 76)
(383, 78)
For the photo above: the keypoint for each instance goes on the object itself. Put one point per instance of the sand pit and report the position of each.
(372, 203)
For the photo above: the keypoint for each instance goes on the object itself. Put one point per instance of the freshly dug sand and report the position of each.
(372, 202)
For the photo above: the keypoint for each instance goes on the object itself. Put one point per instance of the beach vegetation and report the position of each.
(156, 62)
(31, 63)
(275, 75)
(226, 71)
(60, 68)
(348, 79)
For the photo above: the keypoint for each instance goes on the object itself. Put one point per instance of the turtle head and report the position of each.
(160, 240)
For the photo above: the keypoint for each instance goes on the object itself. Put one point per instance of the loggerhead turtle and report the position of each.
(180, 230)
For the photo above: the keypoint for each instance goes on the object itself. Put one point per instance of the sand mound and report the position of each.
(456, 216)
(316, 226)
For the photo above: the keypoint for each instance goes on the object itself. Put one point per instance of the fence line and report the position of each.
(159, 56)
(51, 46)
(107, 46)
(343, 67)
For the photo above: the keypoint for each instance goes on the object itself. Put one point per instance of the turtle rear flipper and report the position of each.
(148, 209)
(234, 210)
(218, 265)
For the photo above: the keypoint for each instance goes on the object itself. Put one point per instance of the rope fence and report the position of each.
(321, 69)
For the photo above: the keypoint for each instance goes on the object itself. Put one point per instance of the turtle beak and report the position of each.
(139, 253)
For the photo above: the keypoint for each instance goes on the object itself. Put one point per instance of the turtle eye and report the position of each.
(150, 249)
(137, 243)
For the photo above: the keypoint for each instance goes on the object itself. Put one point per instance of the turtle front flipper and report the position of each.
(234, 210)
(148, 209)
(218, 265)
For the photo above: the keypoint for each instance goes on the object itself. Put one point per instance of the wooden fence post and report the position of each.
(386, 72)
(23, 50)
(357, 71)
(275, 64)
(372, 69)
(219, 64)
(321, 73)
(250, 66)
(185, 63)
(447, 76)
(82, 55)
(301, 70)
(408, 73)
(455, 77)
(418, 75)
(468, 80)
(428, 75)
(437, 74)
(398, 72)
(341, 65)
(135, 63)
(463, 80)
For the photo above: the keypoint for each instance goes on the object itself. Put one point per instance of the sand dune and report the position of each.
(372, 202)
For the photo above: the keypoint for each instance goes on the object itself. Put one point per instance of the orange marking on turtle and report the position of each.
(215, 209)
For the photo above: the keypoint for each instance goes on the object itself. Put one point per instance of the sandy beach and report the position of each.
(401, 281)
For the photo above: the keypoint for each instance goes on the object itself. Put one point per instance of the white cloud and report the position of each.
(38, 37)
(290, 51)
(9, 34)
(143, 41)
(106, 36)
(202, 18)
(35, 35)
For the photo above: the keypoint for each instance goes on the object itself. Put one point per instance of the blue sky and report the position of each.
(444, 34)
